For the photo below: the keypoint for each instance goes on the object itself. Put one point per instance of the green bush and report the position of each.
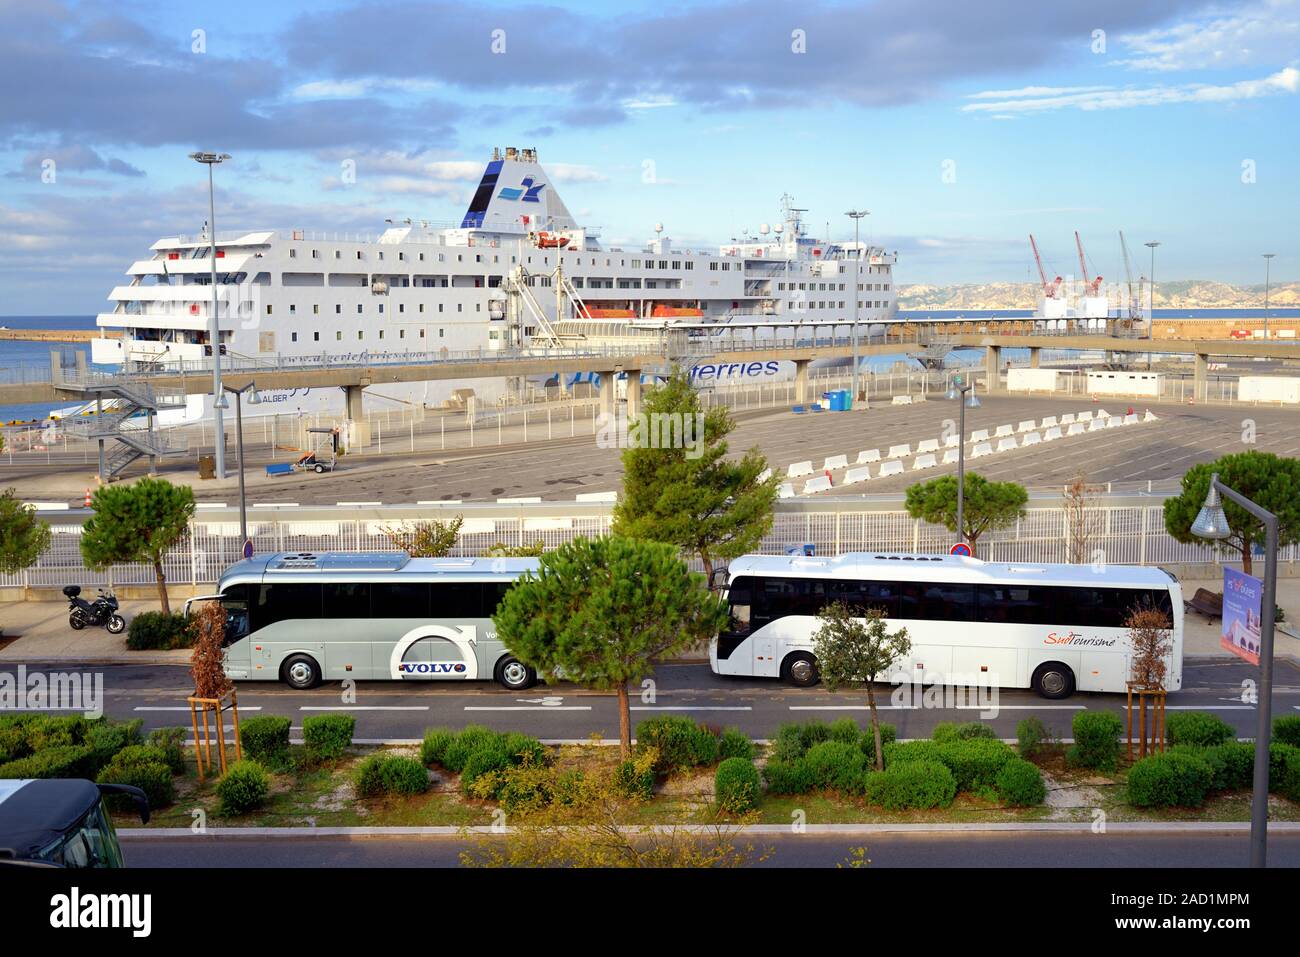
(945, 732)
(737, 786)
(789, 777)
(846, 730)
(531, 787)
(1096, 740)
(434, 747)
(1233, 765)
(1198, 728)
(107, 738)
(975, 762)
(63, 761)
(404, 775)
(836, 765)
(888, 735)
(265, 739)
(242, 788)
(901, 751)
(156, 631)
(62, 731)
(1171, 779)
(1031, 735)
(473, 737)
(1287, 730)
(483, 761)
(734, 743)
(1021, 784)
(1284, 770)
(911, 784)
(635, 778)
(793, 740)
(680, 742)
(142, 766)
(171, 742)
(13, 736)
(327, 736)
(523, 748)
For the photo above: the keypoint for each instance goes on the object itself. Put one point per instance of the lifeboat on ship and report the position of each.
(676, 312)
(590, 312)
(550, 241)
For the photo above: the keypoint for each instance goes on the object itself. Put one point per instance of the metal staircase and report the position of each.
(127, 419)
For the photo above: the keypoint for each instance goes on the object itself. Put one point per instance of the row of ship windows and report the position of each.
(802, 306)
(338, 335)
(546, 260)
(824, 286)
(401, 308)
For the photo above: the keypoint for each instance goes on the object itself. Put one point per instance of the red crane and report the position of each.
(1092, 284)
(1049, 289)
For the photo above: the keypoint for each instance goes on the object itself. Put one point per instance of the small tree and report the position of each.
(23, 537)
(987, 505)
(210, 680)
(137, 523)
(1083, 520)
(432, 539)
(600, 611)
(690, 494)
(1149, 639)
(502, 550)
(1271, 481)
(855, 646)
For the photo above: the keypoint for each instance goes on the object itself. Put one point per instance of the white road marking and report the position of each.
(536, 709)
(254, 708)
(373, 707)
(682, 707)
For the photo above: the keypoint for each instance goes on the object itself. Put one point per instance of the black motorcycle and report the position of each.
(101, 612)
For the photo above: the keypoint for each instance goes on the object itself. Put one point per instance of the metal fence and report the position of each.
(1128, 530)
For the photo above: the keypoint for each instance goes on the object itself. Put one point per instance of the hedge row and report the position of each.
(479, 755)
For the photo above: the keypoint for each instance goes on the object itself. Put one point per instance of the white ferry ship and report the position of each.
(517, 270)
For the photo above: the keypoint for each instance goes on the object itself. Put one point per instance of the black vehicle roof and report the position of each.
(35, 813)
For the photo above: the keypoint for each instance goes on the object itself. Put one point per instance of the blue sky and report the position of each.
(961, 126)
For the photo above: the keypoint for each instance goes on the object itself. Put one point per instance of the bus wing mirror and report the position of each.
(718, 578)
(138, 797)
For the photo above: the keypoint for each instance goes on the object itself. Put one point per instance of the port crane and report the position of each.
(1091, 285)
(1049, 288)
(1134, 302)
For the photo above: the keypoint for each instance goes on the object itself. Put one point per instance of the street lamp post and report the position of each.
(1212, 523)
(214, 329)
(1151, 308)
(958, 390)
(1268, 262)
(253, 399)
(856, 215)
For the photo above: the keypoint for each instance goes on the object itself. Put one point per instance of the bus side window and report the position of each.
(457, 600)
(740, 597)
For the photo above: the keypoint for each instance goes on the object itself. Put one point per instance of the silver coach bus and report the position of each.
(302, 618)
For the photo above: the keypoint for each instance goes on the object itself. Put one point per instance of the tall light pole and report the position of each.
(251, 389)
(856, 215)
(1212, 523)
(1151, 309)
(958, 390)
(214, 329)
(1268, 262)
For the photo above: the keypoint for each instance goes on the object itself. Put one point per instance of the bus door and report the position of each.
(238, 657)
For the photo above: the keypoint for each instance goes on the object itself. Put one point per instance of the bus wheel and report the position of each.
(1053, 680)
(514, 674)
(301, 672)
(800, 669)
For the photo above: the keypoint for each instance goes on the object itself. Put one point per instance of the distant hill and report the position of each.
(1184, 294)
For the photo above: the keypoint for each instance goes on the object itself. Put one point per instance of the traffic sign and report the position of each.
(961, 548)
(248, 548)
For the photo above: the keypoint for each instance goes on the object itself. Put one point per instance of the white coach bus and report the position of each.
(302, 618)
(1053, 628)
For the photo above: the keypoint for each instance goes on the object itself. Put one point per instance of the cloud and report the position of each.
(1283, 82)
(1263, 33)
(76, 158)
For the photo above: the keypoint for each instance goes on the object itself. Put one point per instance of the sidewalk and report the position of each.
(45, 635)
(1201, 636)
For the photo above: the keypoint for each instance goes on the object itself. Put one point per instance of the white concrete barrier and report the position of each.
(952, 441)
(902, 400)
(1114, 422)
(1002, 431)
(860, 473)
(1052, 434)
(1084, 416)
(924, 462)
(1049, 421)
(1077, 428)
(786, 490)
(836, 462)
(927, 445)
(1096, 425)
(1007, 443)
(613, 496)
(1031, 438)
(950, 457)
(981, 450)
(1131, 418)
(1149, 417)
(980, 435)
(520, 500)
(821, 483)
(892, 467)
(868, 455)
(1101, 414)
(1027, 425)
(1067, 419)
(799, 469)
(900, 451)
